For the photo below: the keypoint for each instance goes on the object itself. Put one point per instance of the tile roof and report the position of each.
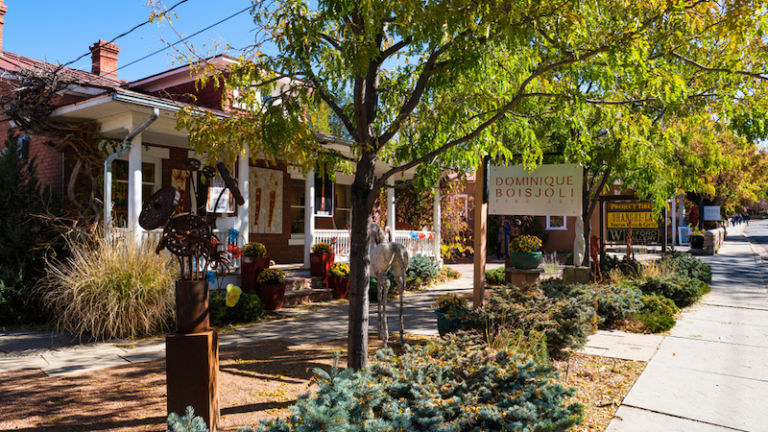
(13, 62)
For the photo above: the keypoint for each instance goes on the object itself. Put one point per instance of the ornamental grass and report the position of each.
(111, 289)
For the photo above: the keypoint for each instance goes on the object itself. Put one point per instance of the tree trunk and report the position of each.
(359, 264)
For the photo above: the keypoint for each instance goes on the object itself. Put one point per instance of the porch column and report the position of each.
(681, 210)
(134, 188)
(391, 219)
(309, 215)
(437, 222)
(242, 224)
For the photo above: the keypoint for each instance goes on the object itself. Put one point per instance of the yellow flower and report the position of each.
(233, 295)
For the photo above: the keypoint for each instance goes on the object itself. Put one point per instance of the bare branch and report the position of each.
(757, 75)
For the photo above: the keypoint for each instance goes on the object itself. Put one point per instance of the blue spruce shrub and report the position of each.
(422, 267)
(454, 384)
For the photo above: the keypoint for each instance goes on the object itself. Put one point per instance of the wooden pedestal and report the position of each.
(192, 369)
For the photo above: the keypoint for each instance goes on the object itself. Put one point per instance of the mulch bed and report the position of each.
(256, 381)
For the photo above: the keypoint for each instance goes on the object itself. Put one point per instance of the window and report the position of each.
(556, 223)
(149, 184)
(323, 196)
(343, 215)
(297, 206)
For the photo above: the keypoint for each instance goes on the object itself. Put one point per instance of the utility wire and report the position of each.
(167, 47)
(136, 27)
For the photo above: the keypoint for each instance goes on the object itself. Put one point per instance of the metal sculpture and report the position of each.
(189, 235)
(385, 254)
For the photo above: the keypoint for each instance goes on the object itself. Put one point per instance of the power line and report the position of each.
(136, 27)
(184, 39)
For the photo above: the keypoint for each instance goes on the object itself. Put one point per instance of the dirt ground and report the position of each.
(256, 381)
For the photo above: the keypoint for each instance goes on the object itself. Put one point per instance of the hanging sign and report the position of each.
(711, 213)
(638, 215)
(549, 190)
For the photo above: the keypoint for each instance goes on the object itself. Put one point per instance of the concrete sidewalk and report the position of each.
(711, 373)
(58, 354)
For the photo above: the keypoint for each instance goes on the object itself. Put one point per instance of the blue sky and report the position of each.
(61, 30)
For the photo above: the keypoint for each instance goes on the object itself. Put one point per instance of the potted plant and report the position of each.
(697, 238)
(320, 260)
(252, 262)
(447, 307)
(339, 280)
(525, 252)
(271, 289)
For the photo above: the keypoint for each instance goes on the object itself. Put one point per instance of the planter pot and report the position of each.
(272, 295)
(319, 264)
(525, 260)
(250, 268)
(446, 323)
(340, 286)
(192, 315)
(697, 242)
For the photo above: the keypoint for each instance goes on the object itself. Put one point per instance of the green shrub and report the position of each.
(111, 289)
(680, 288)
(26, 239)
(495, 276)
(615, 302)
(423, 267)
(247, 309)
(566, 321)
(452, 384)
(657, 313)
(627, 265)
(688, 265)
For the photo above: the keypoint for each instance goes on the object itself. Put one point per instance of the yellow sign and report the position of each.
(634, 214)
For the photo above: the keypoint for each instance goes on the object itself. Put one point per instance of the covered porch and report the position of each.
(277, 198)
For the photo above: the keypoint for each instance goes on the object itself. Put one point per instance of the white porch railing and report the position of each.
(415, 242)
(154, 236)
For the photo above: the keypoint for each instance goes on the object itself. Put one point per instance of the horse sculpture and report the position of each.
(385, 254)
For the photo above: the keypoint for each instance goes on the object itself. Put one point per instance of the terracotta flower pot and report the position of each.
(340, 286)
(525, 260)
(192, 314)
(272, 295)
(250, 268)
(319, 264)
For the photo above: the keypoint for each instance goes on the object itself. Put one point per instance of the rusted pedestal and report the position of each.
(192, 356)
(192, 369)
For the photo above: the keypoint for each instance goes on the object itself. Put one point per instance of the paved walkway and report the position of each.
(711, 373)
(58, 354)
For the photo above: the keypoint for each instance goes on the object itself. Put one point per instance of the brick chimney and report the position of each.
(3, 10)
(104, 58)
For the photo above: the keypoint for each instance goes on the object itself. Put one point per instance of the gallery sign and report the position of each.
(638, 215)
(549, 190)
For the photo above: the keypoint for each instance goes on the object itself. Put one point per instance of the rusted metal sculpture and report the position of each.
(192, 352)
(189, 236)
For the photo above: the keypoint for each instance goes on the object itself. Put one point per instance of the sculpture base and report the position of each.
(522, 278)
(574, 275)
(191, 370)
